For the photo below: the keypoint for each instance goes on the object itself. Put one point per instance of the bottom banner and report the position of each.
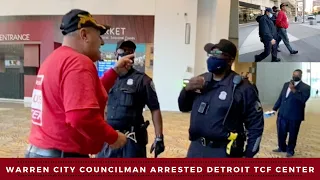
(159, 168)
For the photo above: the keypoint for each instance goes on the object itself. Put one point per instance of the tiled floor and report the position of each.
(15, 123)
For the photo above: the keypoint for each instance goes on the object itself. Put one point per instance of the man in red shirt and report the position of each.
(69, 99)
(282, 26)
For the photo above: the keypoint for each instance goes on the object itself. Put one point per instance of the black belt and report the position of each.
(213, 143)
(54, 153)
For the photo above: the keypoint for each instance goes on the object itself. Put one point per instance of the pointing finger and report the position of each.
(128, 56)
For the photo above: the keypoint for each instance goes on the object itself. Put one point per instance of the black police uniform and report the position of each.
(216, 111)
(267, 32)
(126, 101)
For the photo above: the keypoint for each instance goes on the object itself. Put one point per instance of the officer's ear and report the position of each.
(231, 62)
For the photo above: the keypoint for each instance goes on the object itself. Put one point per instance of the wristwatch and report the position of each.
(159, 137)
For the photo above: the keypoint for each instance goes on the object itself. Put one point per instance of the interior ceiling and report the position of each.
(11, 50)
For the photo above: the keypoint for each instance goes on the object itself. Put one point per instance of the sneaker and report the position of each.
(294, 52)
(289, 155)
(278, 50)
(277, 150)
(256, 58)
(276, 60)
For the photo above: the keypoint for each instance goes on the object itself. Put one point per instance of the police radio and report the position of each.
(236, 81)
(234, 147)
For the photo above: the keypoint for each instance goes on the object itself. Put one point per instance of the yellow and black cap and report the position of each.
(77, 19)
(226, 46)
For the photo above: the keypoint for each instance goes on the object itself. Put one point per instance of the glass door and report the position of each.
(315, 78)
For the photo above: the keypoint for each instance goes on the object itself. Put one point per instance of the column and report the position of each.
(172, 57)
(212, 25)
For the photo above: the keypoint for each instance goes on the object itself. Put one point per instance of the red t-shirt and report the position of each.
(68, 104)
(282, 20)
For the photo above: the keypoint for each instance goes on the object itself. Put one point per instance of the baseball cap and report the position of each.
(269, 10)
(127, 43)
(77, 19)
(224, 45)
(283, 4)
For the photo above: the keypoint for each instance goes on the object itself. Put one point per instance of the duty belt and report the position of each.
(130, 134)
(213, 143)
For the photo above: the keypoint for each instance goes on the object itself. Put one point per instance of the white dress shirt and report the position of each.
(288, 90)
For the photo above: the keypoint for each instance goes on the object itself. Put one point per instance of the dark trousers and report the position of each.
(130, 150)
(268, 48)
(283, 35)
(197, 150)
(284, 127)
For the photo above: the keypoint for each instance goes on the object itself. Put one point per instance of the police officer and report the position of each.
(127, 98)
(222, 105)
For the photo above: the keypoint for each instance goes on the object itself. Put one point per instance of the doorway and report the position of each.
(11, 71)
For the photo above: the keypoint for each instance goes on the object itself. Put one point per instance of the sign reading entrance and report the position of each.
(14, 37)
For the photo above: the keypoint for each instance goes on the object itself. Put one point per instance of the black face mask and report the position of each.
(296, 78)
(216, 65)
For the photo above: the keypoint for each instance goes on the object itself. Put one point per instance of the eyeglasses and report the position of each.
(125, 50)
(219, 54)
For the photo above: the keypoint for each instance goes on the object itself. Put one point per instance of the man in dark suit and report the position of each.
(291, 104)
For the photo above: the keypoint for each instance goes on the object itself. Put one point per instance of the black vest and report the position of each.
(216, 126)
(125, 106)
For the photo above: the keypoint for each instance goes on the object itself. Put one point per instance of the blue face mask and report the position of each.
(270, 15)
(216, 65)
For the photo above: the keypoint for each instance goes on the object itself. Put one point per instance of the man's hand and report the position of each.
(292, 87)
(157, 146)
(195, 83)
(124, 64)
(273, 42)
(121, 141)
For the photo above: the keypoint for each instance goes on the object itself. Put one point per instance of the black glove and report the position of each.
(157, 146)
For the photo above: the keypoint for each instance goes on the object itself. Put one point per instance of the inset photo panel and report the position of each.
(279, 31)
(289, 94)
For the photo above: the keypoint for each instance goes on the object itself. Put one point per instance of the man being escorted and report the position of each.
(268, 36)
(69, 99)
(291, 104)
(282, 24)
(221, 104)
(127, 98)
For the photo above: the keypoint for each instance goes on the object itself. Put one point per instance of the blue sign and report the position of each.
(103, 66)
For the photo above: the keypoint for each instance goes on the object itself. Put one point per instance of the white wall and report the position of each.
(59, 7)
(209, 21)
(271, 77)
(212, 25)
(172, 56)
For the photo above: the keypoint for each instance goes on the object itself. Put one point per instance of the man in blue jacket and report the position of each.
(268, 36)
(291, 104)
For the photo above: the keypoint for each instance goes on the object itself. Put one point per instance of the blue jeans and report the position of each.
(35, 152)
(35, 155)
(130, 150)
(283, 35)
